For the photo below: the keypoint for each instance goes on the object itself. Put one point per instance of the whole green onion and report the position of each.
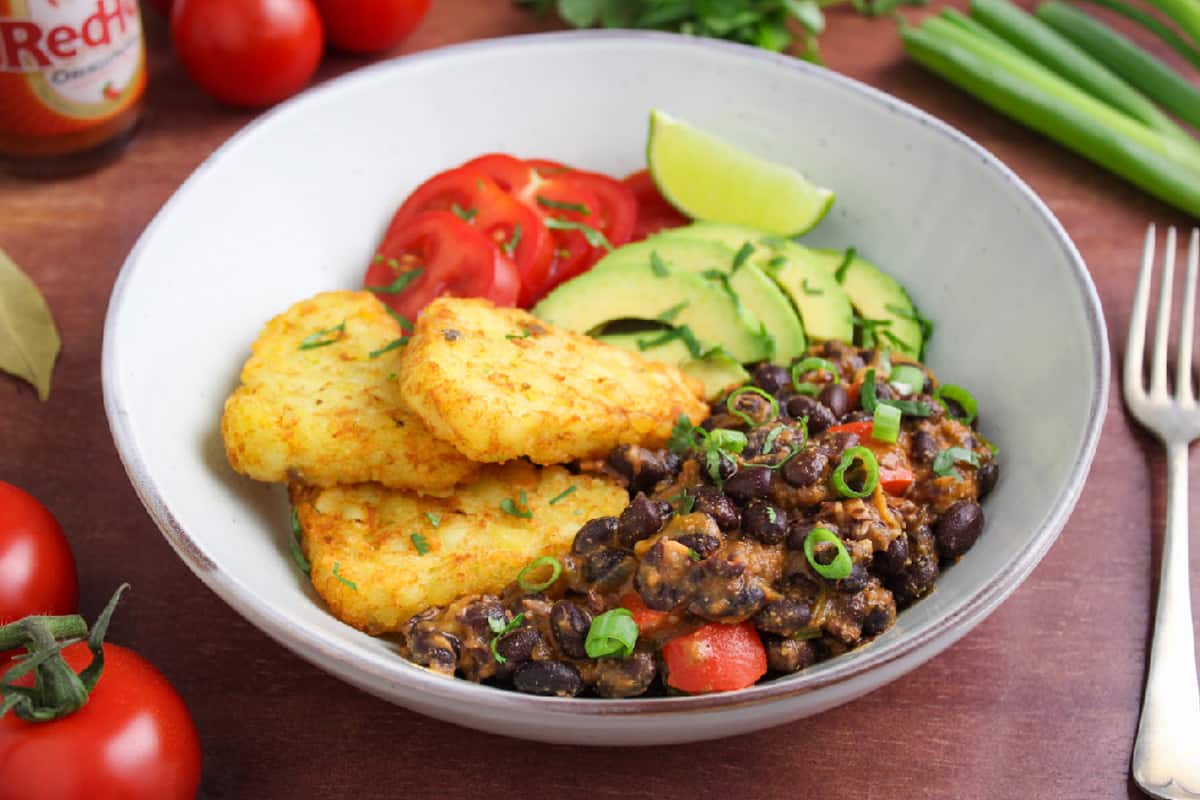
(613, 633)
(1037, 98)
(1058, 53)
(1185, 13)
(1155, 26)
(1131, 62)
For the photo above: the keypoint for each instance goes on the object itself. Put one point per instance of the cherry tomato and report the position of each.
(455, 260)
(248, 52)
(715, 658)
(487, 207)
(654, 212)
(37, 571)
(369, 26)
(133, 740)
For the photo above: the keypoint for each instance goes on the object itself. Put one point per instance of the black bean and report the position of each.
(641, 519)
(798, 530)
(789, 655)
(570, 624)
(726, 467)
(987, 476)
(771, 378)
(722, 593)
(856, 581)
(754, 406)
(765, 522)
(924, 448)
(703, 544)
(711, 501)
(518, 645)
(749, 483)
(805, 468)
(819, 415)
(883, 391)
(836, 399)
(625, 677)
(958, 528)
(893, 560)
(916, 580)
(641, 467)
(435, 649)
(476, 615)
(876, 622)
(661, 581)
(836, 443)
(595, 534)
(608, 569)
(784, 616)
(555, 678)
(672, 462)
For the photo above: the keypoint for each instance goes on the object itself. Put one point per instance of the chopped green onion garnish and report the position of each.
(658, 266)
(671, 313)
(420, 543)
(563, 494)
(870, 403)
(613, 633)
(887, 424)
(683, 332)
(323, 338)
(397, 286)
(297, 554)
(510, 246)
(807, 365)
(840, 273)
(523, 511)
(835, 570)
(810, 290)
(404, 321)
(594, 237)
(907, 376)
(500, 628)
(743, 253)
(545, 561)
(465, 214)
(561, 206)
(387, 348)
(337, 574)
(726, 440)
(965, 400)
(434, 519)
(943, 462)
(683, 437)
(870, 469)
(731, 404)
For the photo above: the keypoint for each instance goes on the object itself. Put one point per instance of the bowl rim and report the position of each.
(380, 669)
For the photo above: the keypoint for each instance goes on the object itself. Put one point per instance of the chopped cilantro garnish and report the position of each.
(561, 206)
(563, 494)
(943, 462)
(682, 436)
(324, 338)
(434, 519)
(769, 442)
(693, 555)
(500, 628)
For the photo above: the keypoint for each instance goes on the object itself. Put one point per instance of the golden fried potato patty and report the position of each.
(499, 384)
(378, 555)
(320, 403)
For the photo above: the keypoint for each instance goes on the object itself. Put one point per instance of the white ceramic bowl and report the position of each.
(294, 204)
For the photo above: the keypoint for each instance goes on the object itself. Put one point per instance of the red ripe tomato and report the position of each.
(515, 228)
(715, 658)
(654, 213)
(37, 571)
(368, 26)
(248, 52)
(454, 260)
(133, 740)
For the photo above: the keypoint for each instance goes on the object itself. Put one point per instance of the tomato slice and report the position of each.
(654, 213)
(514, 227)
(715, 658)
(454, 259)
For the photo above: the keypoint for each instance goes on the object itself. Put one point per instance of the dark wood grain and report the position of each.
(1041, 700)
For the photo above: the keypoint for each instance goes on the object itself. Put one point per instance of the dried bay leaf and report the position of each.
(29, 340)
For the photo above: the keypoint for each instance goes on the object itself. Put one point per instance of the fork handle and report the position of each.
(1166, 755)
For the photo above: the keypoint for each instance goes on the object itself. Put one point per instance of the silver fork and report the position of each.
(1166, 754)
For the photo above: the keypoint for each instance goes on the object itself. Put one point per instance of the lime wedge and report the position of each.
(710, 179)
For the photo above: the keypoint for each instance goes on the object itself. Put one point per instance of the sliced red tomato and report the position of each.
(895, 481)
(654, 213)
(450, 257)
(715, 658)
(476, 198)
(648, 620)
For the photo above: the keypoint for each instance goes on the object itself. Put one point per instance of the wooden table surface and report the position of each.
(1041, 700)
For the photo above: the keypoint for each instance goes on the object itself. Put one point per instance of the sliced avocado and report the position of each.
(717, 371)
(631, 289)
(823, 305)
(877, 297)
(758, 293)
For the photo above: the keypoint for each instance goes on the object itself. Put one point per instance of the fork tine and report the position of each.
(1136, 341)
(1187, 322)
(1158, 364)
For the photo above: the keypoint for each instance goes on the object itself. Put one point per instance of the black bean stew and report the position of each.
(787, 517)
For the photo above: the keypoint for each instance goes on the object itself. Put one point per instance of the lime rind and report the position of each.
(711, 179)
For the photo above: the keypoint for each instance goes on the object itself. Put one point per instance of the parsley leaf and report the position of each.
(943, 462)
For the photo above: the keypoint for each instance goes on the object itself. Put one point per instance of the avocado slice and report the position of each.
(756, 292)
(876, 296)
(716, 371)
(631, 289)
(823, 305)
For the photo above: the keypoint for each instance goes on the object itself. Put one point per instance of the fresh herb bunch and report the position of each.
(771, 24)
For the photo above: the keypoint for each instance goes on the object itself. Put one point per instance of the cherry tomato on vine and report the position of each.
(248, 52)
(37, 571)
(369, 26)
(436, 254)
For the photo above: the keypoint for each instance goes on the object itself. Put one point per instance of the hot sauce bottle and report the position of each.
(72, 79)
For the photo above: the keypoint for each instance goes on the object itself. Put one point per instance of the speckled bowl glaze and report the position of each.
(294, 204)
